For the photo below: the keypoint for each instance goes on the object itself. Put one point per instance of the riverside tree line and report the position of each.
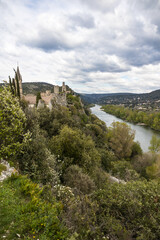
(151, 119)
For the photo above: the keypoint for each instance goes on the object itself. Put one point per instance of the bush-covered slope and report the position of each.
(70, 154)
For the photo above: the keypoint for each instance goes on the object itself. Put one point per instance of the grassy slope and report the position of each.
(25, 214)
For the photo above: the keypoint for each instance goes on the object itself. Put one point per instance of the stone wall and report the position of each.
(49, 98)
(56, 89)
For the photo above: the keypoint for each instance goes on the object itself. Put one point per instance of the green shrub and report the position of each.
(2, 168)
(12, 121)
(140, 163)
(133, 207)
(24, 213)
(78, 181)
(37, 162)
(123, 170)
(107, 157)
(80, 217)
(75, 145)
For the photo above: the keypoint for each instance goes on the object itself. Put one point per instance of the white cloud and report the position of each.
(95, 46)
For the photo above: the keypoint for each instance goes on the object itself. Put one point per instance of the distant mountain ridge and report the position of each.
(120, 98)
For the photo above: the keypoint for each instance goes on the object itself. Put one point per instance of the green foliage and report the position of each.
(78, 181)
(100, 177)
(141, 162)
(51, 121)
(106, 159)
(124, 170)
(26, 215)
(136, 149)
(17, 89)
(2, 168)
(80, 217)
(98, 133)
(154, 144)
(36, 160)
(76, 149)
(149, 119)
(72, 143)
(153, 171)
(129, 211)
(14, 85)
(121, 138)
(34, 87)
(12, 121)
(38, 97)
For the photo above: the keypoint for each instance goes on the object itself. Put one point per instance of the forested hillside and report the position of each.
(69, 163)
(34, 87)
(147, 101)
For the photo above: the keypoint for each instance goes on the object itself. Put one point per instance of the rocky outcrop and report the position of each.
(116, 180)
(8, 172)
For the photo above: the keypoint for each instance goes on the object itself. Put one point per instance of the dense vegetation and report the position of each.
(136, 116)
(65, 157)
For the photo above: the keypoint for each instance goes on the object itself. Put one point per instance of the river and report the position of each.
(142, 134)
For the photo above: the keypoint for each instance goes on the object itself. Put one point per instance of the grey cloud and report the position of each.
(105, 67)
(82, 20)
(102, 5)
(140, 56)
(143, 49)
(50, 41)
(145, 4)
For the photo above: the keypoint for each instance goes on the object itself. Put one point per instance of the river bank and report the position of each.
(143, 134)
(149, 119)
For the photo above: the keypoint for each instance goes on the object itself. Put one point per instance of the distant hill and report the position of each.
(34, 87)
(99, 97)
(121, 98)
(154, 95)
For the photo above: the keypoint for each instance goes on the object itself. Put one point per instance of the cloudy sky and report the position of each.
(95, 46)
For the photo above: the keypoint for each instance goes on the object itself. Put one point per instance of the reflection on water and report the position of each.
(142, 134)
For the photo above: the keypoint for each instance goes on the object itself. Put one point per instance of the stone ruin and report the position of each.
(49, 99)
(57, 97)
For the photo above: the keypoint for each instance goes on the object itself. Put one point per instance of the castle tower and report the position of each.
(56, 89)
(63, 87)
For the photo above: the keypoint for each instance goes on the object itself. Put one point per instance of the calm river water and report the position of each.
(142, 134)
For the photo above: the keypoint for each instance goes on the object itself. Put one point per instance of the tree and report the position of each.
(153, 171)
(121, 138)
(12, 121)
(38, 97)
(77, 147)
(154, 144)
(14, 84)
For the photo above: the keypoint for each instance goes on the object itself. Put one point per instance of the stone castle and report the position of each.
(58, 96)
